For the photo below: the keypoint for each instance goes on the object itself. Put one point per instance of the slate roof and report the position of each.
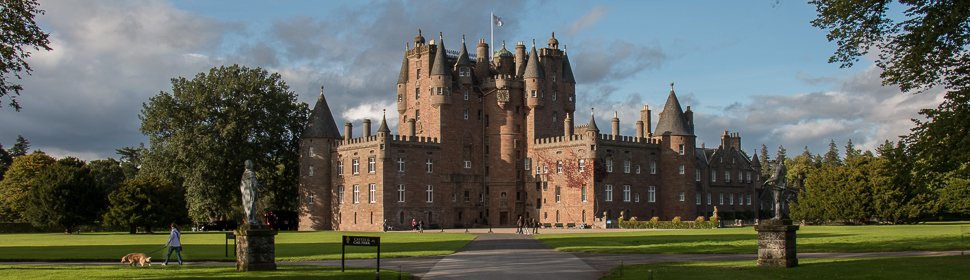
(403, 77)
(321, 123)
(532, 68)
(463, 55)
(441, 65)
(672, 119)
(567, 71)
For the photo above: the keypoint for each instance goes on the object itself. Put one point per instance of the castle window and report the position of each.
(559, 166)
(468, 164)
(417, 94)
(464, 72)
(609, 164)
(528, 163)
(582, 165)
(558, 194)
(748, 176)
(340, 194)
(638, 169)
(310, 200)
(465, 114)
(553, 76)
(739, 176)
(311, 152)
(340, 168)
(698, 175)
(708, 198)
(465, 96)
(713, 176)
(439, 91)
(430, 193)
(731, 199)
(481, 197)
(545, 169)
(698, 195)
(722, 199)
(372, 195)
(419, 72)
(400, 164)
(311, 171)
(653, 167)
(454, 197)
(609, 193)
(626, 193)
(417, 115)
(570, 98)
(371, 165)
(636, 197)
(356, 194)
(681, 197)
(680, 169)
(535, 94)
(429, 166)
(542, 94)
(727, 176)
(554, 94)
(584, 193)
(626, 166)
(468, 196)
(652, 194)
(400, 193)
(749, 199)
(680, 149)
(555, 116)
(356, 166)
(479, 115)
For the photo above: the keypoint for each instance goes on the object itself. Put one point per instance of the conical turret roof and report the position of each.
(384, 127)
(532, 68)
(592, 123)
(441, 65)
(567, 71)
(403, 77)
(463, 54)
(755, 161)
(672, 119)
(321, 123)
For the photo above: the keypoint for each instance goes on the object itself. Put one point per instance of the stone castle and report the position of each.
(485, 142)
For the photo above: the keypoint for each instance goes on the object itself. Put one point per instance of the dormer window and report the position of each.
(535, 94)
(464, 72)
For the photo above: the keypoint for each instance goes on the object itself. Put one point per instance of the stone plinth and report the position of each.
(255, 248)
(776, 243)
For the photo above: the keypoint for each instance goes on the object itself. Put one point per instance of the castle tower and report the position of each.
(677, 160)
(316, 190)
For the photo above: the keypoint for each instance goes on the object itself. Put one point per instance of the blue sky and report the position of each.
(754, 67)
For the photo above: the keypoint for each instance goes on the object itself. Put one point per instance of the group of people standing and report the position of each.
(528, 224)
(417, 226)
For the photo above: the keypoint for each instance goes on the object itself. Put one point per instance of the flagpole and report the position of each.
(491, 24)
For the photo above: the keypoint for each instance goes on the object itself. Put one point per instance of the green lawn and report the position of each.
(210, 246)
(928, 237)
(10, 272)
(947, 267)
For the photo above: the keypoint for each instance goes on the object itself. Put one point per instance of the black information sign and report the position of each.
(360, 241)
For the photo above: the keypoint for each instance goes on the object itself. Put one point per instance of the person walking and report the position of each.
(414, 225)
(528, 226)
(384, 225)
(535, 228)
(519, 225)
(174, 244)
(421, 226)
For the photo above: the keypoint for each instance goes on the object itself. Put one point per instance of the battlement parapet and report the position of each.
(374, 140)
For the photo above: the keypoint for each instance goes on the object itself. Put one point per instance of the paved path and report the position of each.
(505, 255)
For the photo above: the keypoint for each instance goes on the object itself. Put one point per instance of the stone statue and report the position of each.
(250, 193)
(778, 184)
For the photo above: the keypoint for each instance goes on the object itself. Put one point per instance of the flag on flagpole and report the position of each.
(496, 21)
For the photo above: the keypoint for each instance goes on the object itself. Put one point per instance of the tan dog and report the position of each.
(137, 257)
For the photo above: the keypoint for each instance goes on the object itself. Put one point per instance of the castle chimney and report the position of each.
(616, 125)
(366, 127)
(411, 129)
(645, 117)
(348, 131)
(568, 123)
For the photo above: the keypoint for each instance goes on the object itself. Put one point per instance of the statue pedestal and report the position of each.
(255, 248)
(776, 243)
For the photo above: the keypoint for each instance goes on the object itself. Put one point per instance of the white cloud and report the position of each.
(591, 18)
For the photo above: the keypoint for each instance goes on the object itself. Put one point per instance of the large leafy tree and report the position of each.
(5, 161)
(16, 184)
(131, 159)
(20, 148)
(203, 131)
(18, 35)
(147, 202)
(925, 46)
(63, 195)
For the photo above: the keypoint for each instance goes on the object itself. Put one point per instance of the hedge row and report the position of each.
(674, 224)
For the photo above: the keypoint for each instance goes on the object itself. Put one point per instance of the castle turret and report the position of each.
(591, 129)
(504, 61)
(482, 63)
(464, 65)
(315, 167)
(367, 127)
(402, 82)
(645, 118)
(568, 125)
(520, 59)
(568, 85)
(678, 162)
(440, 76)
(534, 79)
(615, 128)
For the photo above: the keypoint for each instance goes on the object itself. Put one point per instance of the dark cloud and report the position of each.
(614, 61)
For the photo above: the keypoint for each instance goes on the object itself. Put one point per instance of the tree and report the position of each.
(20, 34)
(147, 202)
(63, 195)
(108, 176)
(851, 153)
(131, 159)
(20, 148)
(5, 161)
(16, 184)
(831, 158)
(201, 134)
(782, 152)
(767, 167)
(927, 48)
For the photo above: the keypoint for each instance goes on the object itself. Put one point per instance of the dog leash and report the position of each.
(156, 250)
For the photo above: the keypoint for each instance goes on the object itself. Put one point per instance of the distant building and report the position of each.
(485, 142)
